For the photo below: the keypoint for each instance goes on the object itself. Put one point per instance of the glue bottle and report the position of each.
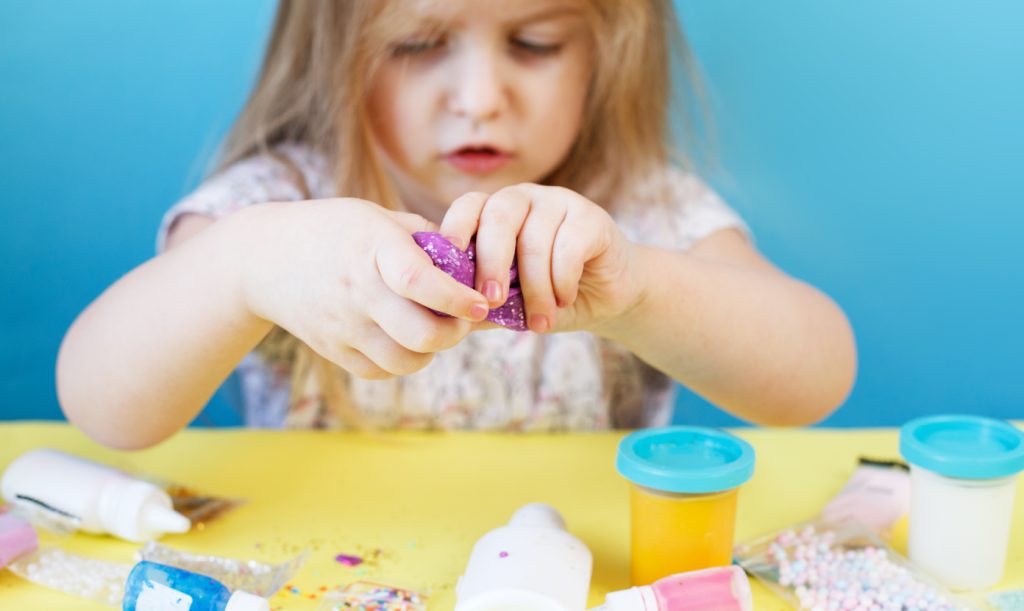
(532, 563)
(723, 588)
(158, 587)
(78, 494)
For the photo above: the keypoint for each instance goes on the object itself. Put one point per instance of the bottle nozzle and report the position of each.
(538, 514)
(161, 519)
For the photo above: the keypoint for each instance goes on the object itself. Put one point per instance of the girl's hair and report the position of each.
(314, 81)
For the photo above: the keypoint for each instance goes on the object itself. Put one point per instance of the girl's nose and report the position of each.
(479, 91)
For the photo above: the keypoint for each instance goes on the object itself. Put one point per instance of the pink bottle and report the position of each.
(17, 537)
(722, 588)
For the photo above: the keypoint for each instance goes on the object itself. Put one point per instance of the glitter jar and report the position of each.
(963, 471)
(157, 586)
(684, 488)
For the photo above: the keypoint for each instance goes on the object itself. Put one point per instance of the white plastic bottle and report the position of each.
(89, 496)
(532, 563)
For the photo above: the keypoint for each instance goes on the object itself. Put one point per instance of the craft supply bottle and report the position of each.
(158, 587)
(685, 488)
(17, 538)
(723, 588)
(82, 495)
(532, 563)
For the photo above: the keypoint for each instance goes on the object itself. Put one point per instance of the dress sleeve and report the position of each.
(253, 180)
(675, 211)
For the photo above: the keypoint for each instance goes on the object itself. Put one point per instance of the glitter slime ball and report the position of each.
(461, 265)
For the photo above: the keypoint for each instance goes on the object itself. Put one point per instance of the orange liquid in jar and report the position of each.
(674, 533)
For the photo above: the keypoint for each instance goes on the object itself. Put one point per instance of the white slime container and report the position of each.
(963, 473)
(532, 564)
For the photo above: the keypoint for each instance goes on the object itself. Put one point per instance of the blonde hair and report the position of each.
(314, 80)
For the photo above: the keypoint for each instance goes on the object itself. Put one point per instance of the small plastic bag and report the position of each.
(817, 565)
(252, 576)
(97, 580)
(362, 595)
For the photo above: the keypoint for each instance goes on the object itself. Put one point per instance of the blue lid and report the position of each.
(688, 459)
(970, 447)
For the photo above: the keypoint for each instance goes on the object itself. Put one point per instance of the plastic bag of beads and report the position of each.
(96, 580)
(1007, 600)
(819, 565)
(252, 576)
(369, 596)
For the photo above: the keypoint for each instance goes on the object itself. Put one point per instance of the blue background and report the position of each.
(875, 148)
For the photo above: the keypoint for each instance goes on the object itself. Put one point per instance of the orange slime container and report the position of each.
(685, 485)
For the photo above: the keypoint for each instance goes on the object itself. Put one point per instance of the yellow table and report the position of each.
(424, 499)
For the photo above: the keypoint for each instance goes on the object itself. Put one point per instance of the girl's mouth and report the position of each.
(477, 159)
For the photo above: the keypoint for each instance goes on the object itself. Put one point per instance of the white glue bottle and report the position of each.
(532, 563)
(75, 493)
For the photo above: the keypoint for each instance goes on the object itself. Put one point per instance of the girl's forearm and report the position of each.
(141, 361)
(757, 343)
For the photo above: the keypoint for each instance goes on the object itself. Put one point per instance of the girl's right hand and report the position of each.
(346, 277)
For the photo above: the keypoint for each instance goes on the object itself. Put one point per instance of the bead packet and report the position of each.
(818, 565)
(369, 596)
(97, 580)
(259, 578)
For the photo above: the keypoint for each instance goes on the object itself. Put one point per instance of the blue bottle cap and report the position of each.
(969, 447)
(686, 459)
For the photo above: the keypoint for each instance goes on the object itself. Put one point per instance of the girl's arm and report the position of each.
(719, 318)
(141, 361)
(343, 275)
(731, 326)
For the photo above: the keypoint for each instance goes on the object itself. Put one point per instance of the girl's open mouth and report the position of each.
(477, 159)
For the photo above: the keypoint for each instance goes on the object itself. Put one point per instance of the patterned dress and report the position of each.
(493, 380)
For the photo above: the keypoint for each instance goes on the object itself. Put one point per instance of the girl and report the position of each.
(537, 128)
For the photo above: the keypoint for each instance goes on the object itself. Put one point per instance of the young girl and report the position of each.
(536, 128)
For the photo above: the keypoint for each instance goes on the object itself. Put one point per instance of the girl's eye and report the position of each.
(416, 47)
(535, 48)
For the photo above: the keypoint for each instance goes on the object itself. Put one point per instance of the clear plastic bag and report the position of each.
(361, 595)
(251, 576)
(96, 580)
(818, 565)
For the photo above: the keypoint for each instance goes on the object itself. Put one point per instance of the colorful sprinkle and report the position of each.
(348, 560)
(503, 555)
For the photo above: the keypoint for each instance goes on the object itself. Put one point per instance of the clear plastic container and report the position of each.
(963, 476)
(685, 486)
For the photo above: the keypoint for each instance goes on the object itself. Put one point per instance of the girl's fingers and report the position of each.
(389, 355)
(461, 220)
(412, 222)
(409, 272)
(357, 363)
(533, 251)
(568, 257)
(414, 327)
(500, 221)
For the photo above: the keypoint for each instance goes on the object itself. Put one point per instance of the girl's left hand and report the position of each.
(576, 268)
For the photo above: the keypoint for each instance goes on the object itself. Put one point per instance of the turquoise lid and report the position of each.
(687, 459)
(969, 447)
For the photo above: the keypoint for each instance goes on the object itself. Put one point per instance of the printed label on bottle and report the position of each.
(158, 597)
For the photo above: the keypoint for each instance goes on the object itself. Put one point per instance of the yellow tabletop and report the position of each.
(422, 499)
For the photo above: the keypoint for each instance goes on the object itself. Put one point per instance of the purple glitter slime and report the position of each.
(461, 265)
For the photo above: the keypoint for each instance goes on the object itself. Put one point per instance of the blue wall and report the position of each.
(876, 149)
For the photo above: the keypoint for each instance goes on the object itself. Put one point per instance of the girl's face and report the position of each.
(480, 94)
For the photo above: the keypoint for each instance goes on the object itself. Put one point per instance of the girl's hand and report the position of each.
(346, 278)
(576, 268)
